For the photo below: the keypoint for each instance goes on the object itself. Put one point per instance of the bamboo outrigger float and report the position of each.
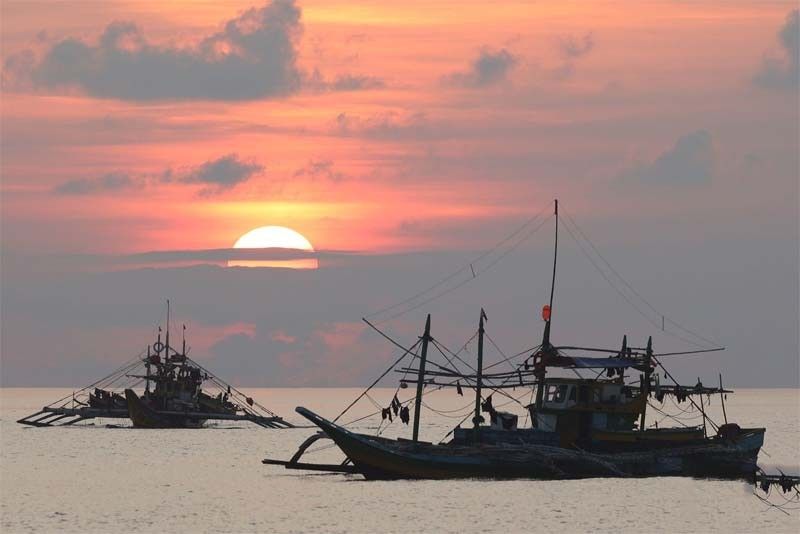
(580, 427)
(173, 396)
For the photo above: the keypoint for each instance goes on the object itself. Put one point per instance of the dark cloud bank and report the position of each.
(783, 72)
(253, 56)
(304, 326)
(216, 176)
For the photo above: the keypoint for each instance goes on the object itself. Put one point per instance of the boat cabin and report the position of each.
(576, 408)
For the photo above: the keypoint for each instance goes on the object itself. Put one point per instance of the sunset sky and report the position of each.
(400, 138)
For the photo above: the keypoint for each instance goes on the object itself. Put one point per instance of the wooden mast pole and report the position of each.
(167, 353)
(702, 410)
(722, 399)
(147, 369)
(546, 346)
(546, 342)
(645, 385)
(476, 420)
(421, 376)
(166, 360)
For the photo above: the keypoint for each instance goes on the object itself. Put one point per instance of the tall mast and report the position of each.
(421, 376)
(540, 366)
(546, 341)
(477, 418)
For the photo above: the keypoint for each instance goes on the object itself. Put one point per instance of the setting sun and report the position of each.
(278, 237)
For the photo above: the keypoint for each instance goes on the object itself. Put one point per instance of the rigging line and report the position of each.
(628, 300)
(235, 392)
(396, 391)
(498, 349)
(682, 410)
(514, 247)
(408, 401)
(633, 290)
(455, 354)
(624, 296)
(466, 280)
(454, 369)
(527, 412)
(517, 355)
(471, 413)
(464, 346)
(467, 383)
(442, 413)
(374, 402)
(689, 398)
(467, 379)
(406, 352)
(469, 405)
(678, 420)
(495, 364)
(124, 368)
(463, 269)
(359, 419)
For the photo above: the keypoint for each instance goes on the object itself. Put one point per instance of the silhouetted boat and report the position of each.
(580, 427)
(173, 396)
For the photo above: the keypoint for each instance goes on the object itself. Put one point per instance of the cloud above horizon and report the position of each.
(222, 173)
(571, 49)
(108, 183)
(254, 56)
(689, 162)
(783, 72)
(489, 68)
(216, 175)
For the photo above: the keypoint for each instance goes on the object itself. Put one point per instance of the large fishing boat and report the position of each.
(581, 426)
(178, 393)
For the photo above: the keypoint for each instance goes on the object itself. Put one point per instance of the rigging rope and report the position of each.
(575, 232)
(469, 268)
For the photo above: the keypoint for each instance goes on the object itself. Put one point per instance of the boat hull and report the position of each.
(377, 458)
(143, 416)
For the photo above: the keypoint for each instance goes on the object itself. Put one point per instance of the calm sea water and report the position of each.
(100, 479)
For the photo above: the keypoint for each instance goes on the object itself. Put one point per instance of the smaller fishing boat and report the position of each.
(178, 393)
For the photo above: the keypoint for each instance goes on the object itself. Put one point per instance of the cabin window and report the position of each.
(573, 393)
(556, 393)
(584, 394)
